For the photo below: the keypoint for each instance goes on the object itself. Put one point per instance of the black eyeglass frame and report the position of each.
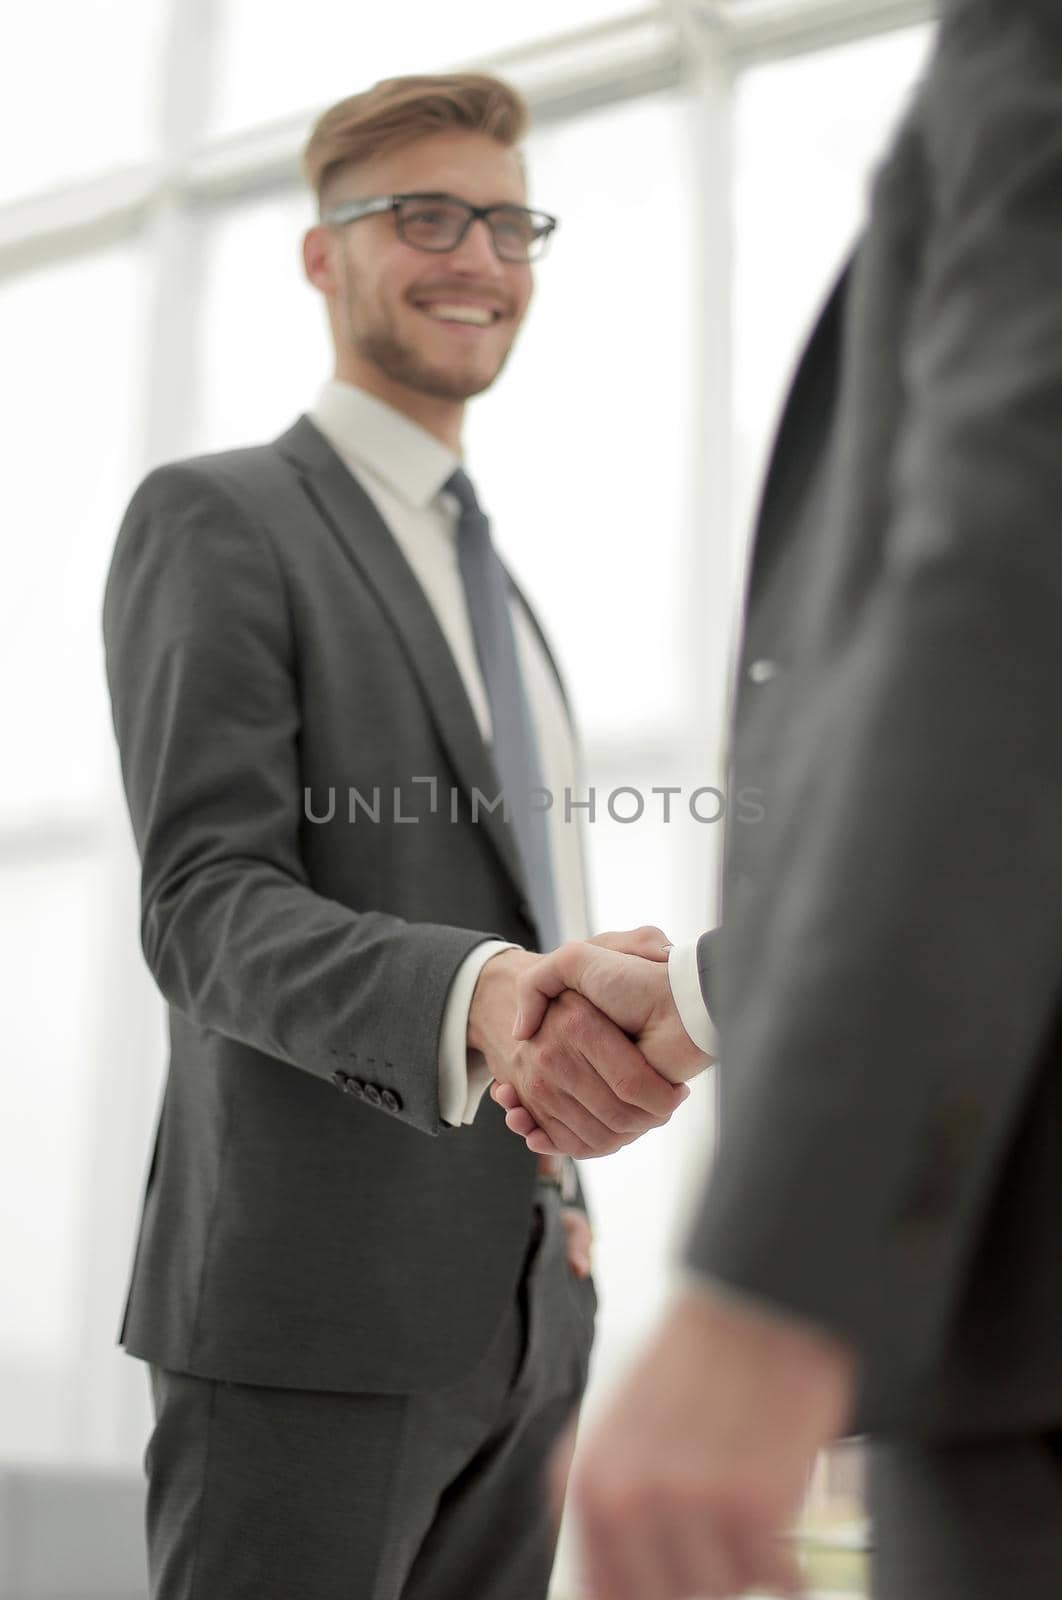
(354, 210)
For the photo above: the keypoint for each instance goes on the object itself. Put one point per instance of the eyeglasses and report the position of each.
(439, 222)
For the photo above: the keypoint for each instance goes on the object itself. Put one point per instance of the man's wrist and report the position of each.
(494, 997)
(463, 1074)
(703, 1298)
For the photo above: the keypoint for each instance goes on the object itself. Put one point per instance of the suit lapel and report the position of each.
(805, 425)
(369, 545)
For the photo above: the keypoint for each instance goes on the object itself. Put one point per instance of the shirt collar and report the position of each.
(368, 433)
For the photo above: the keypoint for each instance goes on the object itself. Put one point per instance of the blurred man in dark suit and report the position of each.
(878, 1245)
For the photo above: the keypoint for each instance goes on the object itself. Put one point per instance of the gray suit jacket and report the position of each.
(308, 1221)
(889, 974)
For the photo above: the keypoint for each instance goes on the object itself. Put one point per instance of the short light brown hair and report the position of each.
(396, 111)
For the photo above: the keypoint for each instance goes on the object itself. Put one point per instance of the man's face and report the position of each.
(391, 299)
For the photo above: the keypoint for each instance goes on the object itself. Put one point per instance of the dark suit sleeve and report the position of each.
(707, 948)
(879, 1065)
(203, 680)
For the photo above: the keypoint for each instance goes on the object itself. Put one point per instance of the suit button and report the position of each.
(339, 1079)
(763, 670)
(390, 1100)
(372, 1094)
(355, 1087)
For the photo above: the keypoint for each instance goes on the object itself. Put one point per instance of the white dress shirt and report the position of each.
(403, 469)
(685, 984)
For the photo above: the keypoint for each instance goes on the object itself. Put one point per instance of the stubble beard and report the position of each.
(404, 365)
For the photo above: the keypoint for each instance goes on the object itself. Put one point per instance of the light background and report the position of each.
(709, 163)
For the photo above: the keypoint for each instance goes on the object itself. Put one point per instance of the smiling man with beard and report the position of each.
(366, 1308)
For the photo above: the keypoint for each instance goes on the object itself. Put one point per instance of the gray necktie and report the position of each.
(516, 756)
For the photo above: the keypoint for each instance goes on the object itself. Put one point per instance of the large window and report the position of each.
(70, 332)
(275, 60)
(80, 86)
(70, 335)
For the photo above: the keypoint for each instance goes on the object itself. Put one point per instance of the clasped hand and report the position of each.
(586, 1047)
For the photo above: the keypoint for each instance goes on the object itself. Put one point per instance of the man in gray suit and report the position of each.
(366, 1311)
(878, 1248)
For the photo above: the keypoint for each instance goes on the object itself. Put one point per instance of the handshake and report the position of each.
(586, 1046)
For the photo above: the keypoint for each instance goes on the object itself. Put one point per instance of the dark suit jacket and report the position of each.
(888, 977)
(308, 1221)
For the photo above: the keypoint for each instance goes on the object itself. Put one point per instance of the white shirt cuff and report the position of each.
(689, 1002)
(463, 1073)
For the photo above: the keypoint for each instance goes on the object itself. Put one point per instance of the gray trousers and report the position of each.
(274, 1494)
(970, 1521)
